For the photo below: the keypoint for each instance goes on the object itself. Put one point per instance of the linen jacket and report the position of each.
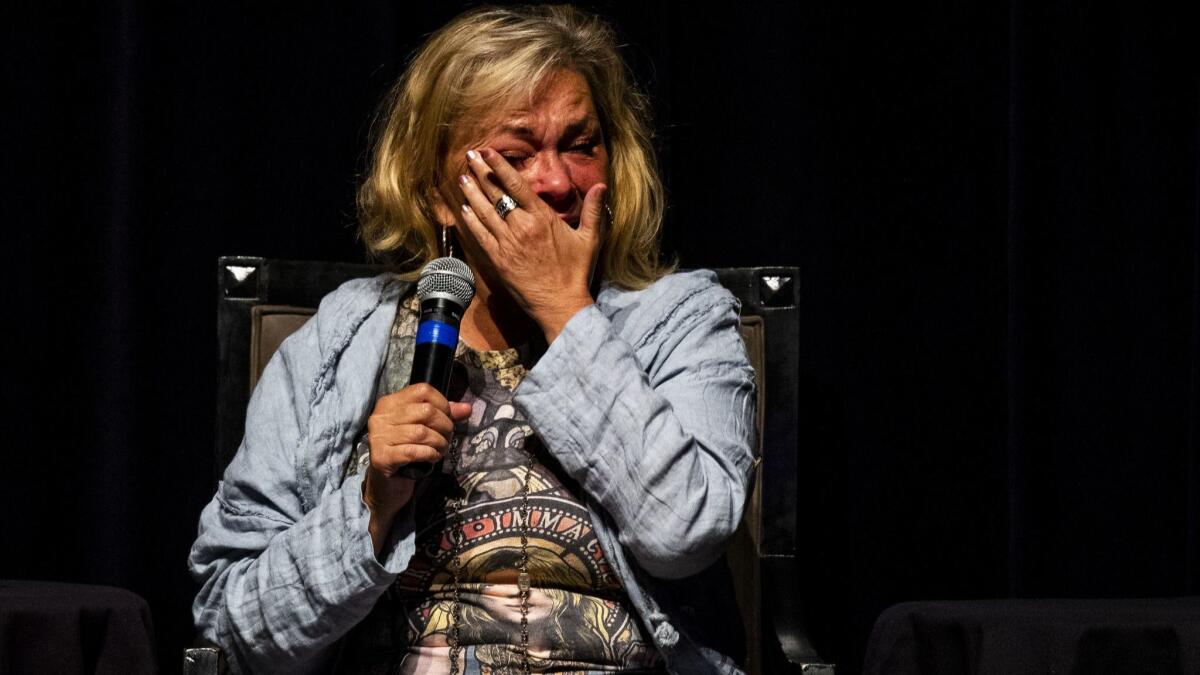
(646, 400)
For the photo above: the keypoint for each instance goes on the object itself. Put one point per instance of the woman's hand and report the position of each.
(414, 424)
(545, 264)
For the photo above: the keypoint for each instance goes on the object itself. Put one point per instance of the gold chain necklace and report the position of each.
(454, 523)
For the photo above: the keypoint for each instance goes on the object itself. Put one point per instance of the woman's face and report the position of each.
(503, 603)
(555, 143)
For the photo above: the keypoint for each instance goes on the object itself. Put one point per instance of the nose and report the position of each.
(551, 180)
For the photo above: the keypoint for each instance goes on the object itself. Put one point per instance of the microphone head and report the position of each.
(448, 278)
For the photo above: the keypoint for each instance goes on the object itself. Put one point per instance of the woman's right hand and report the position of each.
(414, 424)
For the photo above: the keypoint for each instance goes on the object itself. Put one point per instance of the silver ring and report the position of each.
(505, 205)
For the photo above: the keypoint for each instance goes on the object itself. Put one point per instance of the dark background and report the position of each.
(995, 210)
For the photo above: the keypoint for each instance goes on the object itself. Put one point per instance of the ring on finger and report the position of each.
(505, 205)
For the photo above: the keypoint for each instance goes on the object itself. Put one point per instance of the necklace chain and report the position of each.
(523, 575)
(454, 522)
(455, 532)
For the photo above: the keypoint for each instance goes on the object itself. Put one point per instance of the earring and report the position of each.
(447, 243)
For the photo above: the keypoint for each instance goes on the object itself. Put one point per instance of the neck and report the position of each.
(494, 321)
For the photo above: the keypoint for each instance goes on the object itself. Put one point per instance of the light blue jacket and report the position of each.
(646, 399)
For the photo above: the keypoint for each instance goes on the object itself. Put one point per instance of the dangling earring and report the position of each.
(447, 243)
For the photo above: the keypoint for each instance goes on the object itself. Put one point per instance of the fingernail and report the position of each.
(466, 208)
(472, 155)
(464, 179)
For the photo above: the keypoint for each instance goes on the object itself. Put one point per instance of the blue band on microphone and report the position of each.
(437, 332)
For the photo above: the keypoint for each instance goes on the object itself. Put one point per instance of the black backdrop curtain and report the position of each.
(995, 209)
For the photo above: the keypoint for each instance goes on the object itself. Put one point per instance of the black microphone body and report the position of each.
(437, 340)
(446, 289)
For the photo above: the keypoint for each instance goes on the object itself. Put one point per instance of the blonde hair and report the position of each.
(485, 60)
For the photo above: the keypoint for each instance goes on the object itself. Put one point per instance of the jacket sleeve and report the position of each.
(283, 579)
(658, 430)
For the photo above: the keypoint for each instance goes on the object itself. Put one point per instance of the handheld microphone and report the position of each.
(446, 287)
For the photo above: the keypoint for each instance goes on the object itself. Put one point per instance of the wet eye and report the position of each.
(587, 147)
(514, 159)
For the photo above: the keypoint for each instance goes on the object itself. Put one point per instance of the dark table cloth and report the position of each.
(54, 628)
(1071, 637)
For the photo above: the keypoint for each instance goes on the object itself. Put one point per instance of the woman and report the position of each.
(596, 445)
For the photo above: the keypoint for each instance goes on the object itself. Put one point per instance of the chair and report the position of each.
(262, 301)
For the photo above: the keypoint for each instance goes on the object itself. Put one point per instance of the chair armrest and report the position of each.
(205, 660)
(781, 593)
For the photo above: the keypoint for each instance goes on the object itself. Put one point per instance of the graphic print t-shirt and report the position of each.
(579, 618)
